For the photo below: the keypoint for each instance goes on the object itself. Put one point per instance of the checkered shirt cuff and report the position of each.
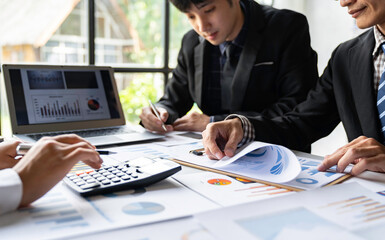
(248, 129)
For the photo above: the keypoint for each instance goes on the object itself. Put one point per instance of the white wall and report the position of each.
(329, 25)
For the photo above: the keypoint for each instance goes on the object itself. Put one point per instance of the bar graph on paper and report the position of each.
(54, 212)
(52, 216)
(259, 190)
(355, 211)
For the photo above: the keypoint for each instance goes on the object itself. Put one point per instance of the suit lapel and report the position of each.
(361, 68)
(198, 76)
(248, 56)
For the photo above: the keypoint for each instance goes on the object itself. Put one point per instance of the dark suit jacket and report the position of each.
(345, 92)
(276, 69)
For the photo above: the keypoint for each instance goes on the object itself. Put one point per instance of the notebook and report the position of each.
(46, 100)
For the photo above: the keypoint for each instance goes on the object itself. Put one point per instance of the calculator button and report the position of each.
(77, 180)
(115, 179)
(119, 174)
(125, 177)
(91, 181)
(134, 175)
(111, 176)
(90, 185)
(101, 178)
(80, 183)
(105, 182)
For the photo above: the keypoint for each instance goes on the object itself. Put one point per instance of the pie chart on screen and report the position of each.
(93, 104)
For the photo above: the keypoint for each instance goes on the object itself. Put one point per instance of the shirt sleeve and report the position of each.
(248, 129)
(11, 190)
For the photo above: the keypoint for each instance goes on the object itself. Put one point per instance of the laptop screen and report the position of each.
(43, 95)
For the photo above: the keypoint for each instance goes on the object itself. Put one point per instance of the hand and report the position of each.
(49, 160)
(224, 135)
(8, 154)
(195, 122)
(365, 153)
(151, 122)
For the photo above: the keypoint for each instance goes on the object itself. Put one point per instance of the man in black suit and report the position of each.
(349, 91)
(271, 69)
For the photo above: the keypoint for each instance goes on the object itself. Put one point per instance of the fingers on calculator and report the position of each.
(131, 174)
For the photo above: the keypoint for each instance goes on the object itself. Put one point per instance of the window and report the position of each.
(139, 38)
(129, 35)
(44, 31)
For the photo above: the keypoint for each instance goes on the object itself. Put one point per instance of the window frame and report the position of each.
(165, 69)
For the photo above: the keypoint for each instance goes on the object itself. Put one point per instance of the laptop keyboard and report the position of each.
(86, 133)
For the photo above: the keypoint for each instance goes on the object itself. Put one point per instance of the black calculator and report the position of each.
(131, 174)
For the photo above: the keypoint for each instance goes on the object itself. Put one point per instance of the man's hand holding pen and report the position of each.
(153, 119)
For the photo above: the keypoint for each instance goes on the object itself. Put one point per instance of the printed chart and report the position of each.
(343, 211)
(143, 208)
(228, 191)
(54, 215)
(310, 178)
(295, 223)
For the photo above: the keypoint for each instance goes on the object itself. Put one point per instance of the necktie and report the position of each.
(381, 98)
(227, 77)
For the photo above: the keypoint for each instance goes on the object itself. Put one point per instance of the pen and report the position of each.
(23, 148)
(157, 114)
(198, 152)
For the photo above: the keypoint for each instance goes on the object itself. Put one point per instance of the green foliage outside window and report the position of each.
(135, 97)
(146, 17)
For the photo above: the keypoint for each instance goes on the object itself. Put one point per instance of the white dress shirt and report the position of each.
(11, 190)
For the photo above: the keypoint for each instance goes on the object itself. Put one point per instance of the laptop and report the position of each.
(46, 100)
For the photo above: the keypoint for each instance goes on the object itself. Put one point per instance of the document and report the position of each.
(179, 138)
(343, 211)
(257, 160)
(177, 229)
(228, 191)
(310, 178)
(63, 214)
(265, 163)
